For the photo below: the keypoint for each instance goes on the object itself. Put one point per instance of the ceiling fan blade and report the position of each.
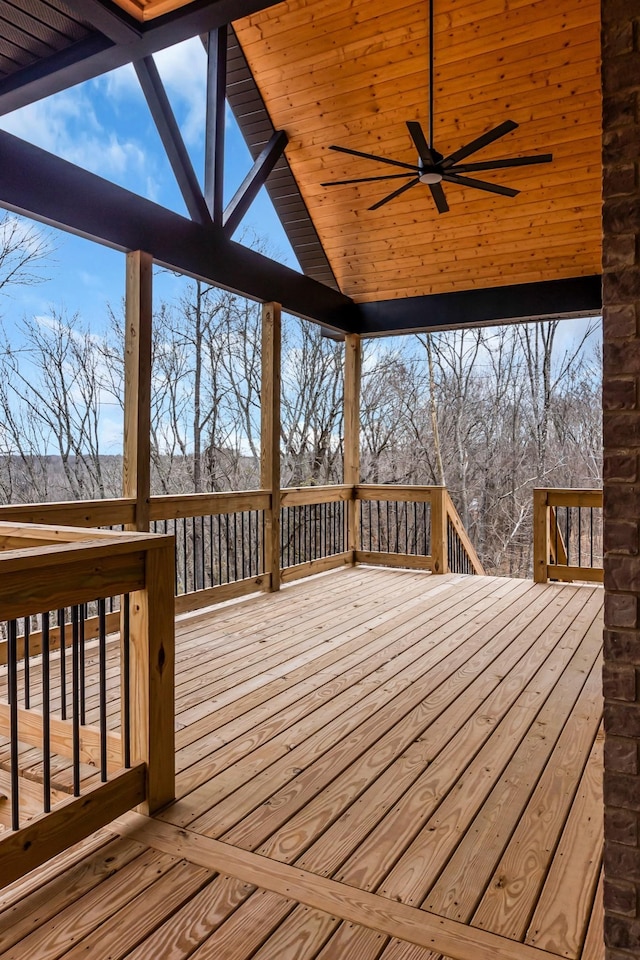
(481, 185)
(483, 141)
(388, 176)
(371, 156)
(498, 164)
(439, 198)
(420, 142)
(396, 193)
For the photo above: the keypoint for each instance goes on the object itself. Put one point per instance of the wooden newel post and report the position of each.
(540, 536)
(152, 676)
(270, 437)
(352, 377)
(439, 540)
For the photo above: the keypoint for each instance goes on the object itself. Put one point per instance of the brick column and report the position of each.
(621, 406)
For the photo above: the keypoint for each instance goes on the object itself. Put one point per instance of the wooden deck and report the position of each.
(372, 765)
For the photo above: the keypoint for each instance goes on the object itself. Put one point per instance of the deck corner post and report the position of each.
(351, 467)
(270, 438)
(136, 466)
(439, 543)
(540, 536)
(152, 677)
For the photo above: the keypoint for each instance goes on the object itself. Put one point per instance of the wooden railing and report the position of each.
(220, 538)
(86, 764)
(313, 530)
(414, 527)
(567, 535)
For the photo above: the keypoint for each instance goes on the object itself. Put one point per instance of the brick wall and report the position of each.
(621, 404)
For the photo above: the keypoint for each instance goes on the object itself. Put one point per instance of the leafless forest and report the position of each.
(491, 413)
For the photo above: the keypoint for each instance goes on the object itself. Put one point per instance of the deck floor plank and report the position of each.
(428, 740)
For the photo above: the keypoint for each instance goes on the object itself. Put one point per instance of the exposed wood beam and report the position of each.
(44, 187)
(97, 55)
(575, 297)
(215, 122)
(171, 137)
(255, 179)
(109, 19)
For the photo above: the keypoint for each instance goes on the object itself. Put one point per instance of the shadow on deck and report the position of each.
(372, 765)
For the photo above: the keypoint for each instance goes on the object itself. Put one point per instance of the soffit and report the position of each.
(351, 72)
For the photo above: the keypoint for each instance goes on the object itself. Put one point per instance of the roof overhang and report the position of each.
(384, 285)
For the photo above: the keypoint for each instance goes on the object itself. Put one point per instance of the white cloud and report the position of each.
(67, 126)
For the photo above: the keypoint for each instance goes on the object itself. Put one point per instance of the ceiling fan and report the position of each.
(432, 167)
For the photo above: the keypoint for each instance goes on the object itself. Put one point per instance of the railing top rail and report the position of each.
(84, 513)
(392, 491)
(173, 506)
(571, 497)
(326, 493)
(34, 579)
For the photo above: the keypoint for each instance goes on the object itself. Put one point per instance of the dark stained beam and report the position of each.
(97, 55)
(37, 184)
(172, 141)
(255, 179)
(215, 122)
(108, 18)
(575, 297)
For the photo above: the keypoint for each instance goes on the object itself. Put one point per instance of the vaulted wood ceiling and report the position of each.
(351, 72)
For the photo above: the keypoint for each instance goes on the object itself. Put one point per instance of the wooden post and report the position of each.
(439, 521)
(270, 437)
(152, 673)
(136, 473)
(351, 468)
(540, 536)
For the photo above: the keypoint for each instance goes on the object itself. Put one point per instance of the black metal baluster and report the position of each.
(566, 541)
(75, 699)
(226, 525)
(83, 677)
(242, 568)
(126, 681)
(185, 553)
(591, 537)
(397, 540)
(27, 665)
(202, 557)
(102, 686)
(12, 675)
(63, 665)
(579, 536)
(175, 557)
(406, 527)
(46, 716)
(250, 544)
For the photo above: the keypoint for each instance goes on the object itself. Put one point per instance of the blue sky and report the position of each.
(105, 126)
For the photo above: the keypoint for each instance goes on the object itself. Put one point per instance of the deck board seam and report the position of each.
(454, 939)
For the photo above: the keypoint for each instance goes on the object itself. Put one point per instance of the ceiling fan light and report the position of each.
(430, 176)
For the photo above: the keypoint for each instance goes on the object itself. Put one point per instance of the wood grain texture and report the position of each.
(270, 437)
(352, 74)
(317, 744)
(136, 460)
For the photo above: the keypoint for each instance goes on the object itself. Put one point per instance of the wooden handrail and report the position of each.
(461, 532)
(59, 568)
(329, 493)
(173, 506)
(550, 551)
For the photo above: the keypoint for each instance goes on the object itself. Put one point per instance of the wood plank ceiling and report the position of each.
(351, 72)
